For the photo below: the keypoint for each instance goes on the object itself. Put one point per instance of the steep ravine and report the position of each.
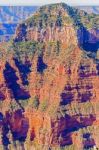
(49, 85)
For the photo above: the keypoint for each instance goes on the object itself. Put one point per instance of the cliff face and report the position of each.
(49, 85)
(10, 17)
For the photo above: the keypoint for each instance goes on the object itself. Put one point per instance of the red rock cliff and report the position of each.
(49, 85)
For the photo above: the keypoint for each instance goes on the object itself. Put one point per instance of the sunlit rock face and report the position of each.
(49, 83)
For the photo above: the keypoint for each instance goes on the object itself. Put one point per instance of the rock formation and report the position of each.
(49, 78)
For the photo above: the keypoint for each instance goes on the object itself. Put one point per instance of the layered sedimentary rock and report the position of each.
(51, 85)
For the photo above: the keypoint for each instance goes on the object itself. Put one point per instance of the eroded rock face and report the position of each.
(62, 80)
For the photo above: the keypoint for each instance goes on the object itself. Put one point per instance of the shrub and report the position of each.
(13, 106)
(23, 103)
(35, 103)
(44, 105)
(27, 49)
(58, 46)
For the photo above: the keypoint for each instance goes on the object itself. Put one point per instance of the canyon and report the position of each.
(49, 74)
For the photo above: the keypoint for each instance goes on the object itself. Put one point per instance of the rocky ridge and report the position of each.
(49, 82)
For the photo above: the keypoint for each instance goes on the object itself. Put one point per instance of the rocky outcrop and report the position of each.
(51, 86)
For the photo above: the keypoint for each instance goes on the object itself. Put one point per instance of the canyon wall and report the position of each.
(49, 93)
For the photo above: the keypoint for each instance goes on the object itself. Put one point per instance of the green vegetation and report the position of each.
(52, 111)
(82, 19)
(27, 49)
(58, 45)
(31, 103)
(90, 21)
(44, 105)
(13, 106)
(35, 103)
(23, 103)
(48, 15)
